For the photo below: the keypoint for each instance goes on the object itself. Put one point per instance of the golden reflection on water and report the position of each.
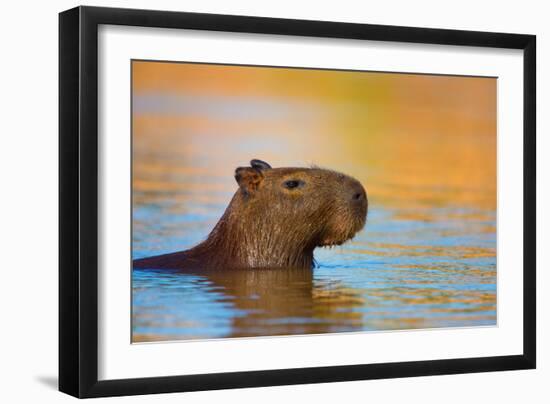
(424, 146)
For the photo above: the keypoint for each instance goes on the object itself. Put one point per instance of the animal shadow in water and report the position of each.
(285, 301)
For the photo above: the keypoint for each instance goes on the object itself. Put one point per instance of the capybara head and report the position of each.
(279, 215)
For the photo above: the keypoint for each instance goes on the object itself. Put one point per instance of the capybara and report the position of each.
(275, 220)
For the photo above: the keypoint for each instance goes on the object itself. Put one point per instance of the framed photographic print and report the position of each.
(250, 201)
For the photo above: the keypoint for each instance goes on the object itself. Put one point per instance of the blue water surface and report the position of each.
(398, 273)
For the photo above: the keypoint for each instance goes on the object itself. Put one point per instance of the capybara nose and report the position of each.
(358, 193)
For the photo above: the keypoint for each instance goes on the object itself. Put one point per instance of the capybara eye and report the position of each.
(291, 184)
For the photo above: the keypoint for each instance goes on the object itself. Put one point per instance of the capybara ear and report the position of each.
(259, 164)
(248, 179)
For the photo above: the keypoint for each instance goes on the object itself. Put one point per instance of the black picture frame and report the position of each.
(78, 200)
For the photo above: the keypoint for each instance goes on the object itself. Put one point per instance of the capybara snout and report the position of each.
(276, 219)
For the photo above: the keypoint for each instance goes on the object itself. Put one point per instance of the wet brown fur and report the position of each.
(268, 225)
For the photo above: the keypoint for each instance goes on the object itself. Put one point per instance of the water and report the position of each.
(423, 146)
(396, 274)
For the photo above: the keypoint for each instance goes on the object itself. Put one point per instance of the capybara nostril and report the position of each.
(358, 193)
